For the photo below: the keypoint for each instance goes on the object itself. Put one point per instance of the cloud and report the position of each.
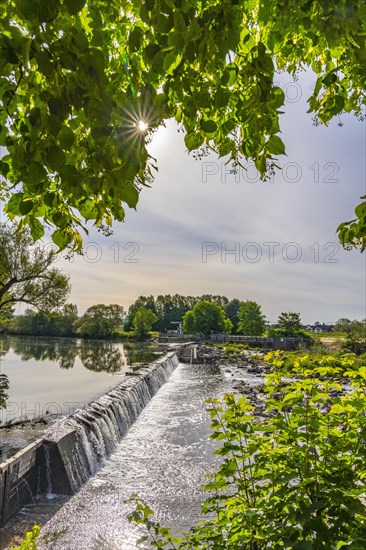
(158, 249)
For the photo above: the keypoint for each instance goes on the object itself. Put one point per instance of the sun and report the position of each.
(142, 126)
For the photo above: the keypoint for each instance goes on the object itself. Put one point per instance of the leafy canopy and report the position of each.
(78, 77)
(27, 274)
(101, 321)
(232, 310)
(288, 324)
(143, 322)
(46, 323)
(206, 317)
(252, 322)
(170, 308)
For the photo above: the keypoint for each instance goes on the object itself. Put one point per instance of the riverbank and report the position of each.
(199, 375)
(244, 372)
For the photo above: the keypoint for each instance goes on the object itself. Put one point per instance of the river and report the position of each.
(48, 377)
(164, 458)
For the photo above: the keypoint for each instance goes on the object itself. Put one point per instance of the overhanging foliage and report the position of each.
(77, 77)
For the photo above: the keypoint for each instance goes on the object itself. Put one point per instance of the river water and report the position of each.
(48, 377)
(164, 458)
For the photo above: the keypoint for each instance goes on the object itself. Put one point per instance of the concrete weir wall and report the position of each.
(21, 478)
(76, 446)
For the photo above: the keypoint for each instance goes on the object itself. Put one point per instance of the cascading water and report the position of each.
(78, 445)
(164, 458)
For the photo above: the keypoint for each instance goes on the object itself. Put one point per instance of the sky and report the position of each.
(201, 230)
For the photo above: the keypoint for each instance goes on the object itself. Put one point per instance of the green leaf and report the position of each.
(278, 97)
(61, 238)
(317, 66)
(176, 40)
(55, 158)
(30, 9)
(44, 63)
(360, 210)
(362, 372)
(34, 115)
(54, 124)
(58, 108)
(275, 145)
(329, 79)
(12, 206)
(4, 168)
(69, 175)
(3, 135)
(261, 164)
(36, 228)
(36, 173)
(26, 206)
(229, 75)
(88, 210)
(222, 97)
(209, 126)
(74, 6)
(193, 140)
(49, 10)
(130, 195)
(151, 51)
(171, 61)
(135, 38)
(60, 219)
(81, 39)
(49, 199)
(338, 105)
(179, 23)
(40, 10)
(66, 137)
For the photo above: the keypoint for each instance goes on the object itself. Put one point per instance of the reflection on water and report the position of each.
(103, 358)
(96, 355)
(56, 375)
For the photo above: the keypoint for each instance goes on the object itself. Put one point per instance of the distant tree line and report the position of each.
(27, 275)
(170, 308)
(204, 315)
(99, 321)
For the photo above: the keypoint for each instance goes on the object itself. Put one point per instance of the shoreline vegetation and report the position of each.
(302, 423)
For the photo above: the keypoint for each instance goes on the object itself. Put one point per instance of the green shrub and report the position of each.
(30, 541)
(294, 480)
(125, 334)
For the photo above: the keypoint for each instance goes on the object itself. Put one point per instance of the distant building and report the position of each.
(318, 327)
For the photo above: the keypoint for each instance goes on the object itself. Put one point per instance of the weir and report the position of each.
(76, 446)
(164, 457)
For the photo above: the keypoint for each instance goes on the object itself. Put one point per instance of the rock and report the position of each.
(254, 370)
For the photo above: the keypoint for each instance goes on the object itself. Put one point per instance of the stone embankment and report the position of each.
(247, 370)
